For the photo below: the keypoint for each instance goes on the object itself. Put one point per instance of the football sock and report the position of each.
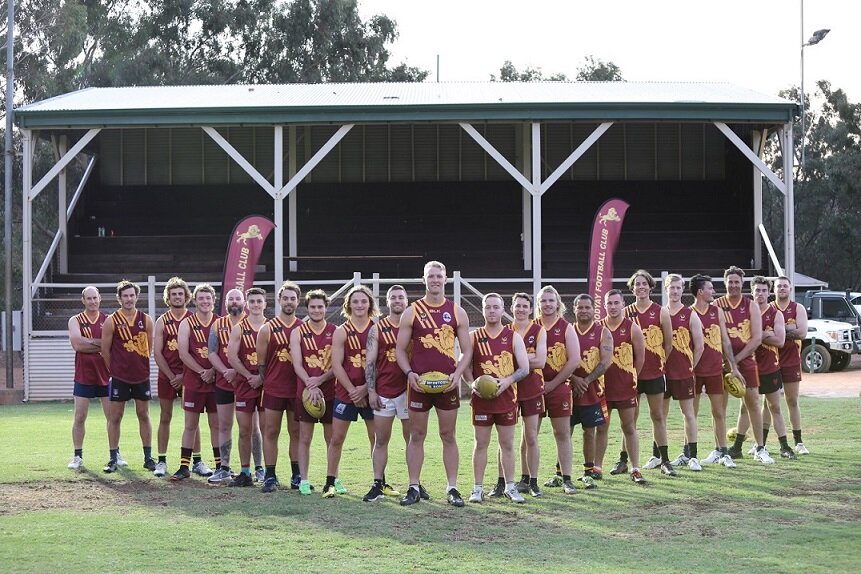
(524, 478)
(566, 477)
(656, 450)
(764, 435)
(270, 471)
(379, 482)
(479, 487)
(559, 468)
(184, 457)
(147, 452)
(533, 482)
(686, 450)
(216, 453)
(330, 481)
(294, 467)
(246, 470)
(162, 458)
(692, 450)
(79, 452)
(500, 481)
(588, 465)
(195, 458)
(796, 435)
(723, 450)
(509, 486)
(663, 452)
(783, 443)
(739, 441)
(623, 456)
(114, 452)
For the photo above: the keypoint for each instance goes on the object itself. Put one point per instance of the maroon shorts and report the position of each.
(559, 402)
(750, 374)
(680, 390)
(166, 391)
(273, 403)
(423, 402)
(531, 407)
(249, 404)
(303, 417)
(484, 419)
(713, 384)
(791, 374)
(625, 404)
(197, 402)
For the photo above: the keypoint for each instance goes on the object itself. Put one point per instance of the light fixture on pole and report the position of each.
(817, 37)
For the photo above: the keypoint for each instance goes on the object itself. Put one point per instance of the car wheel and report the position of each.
(815, 358)
(840, 361)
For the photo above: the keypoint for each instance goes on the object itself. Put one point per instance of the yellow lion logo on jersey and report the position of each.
(742, 332)
(712, 339)
(322, 359)
(391, 356)
(139, 344)
(623, 357)
(251, 358)
(682, 342)
(655, 341)
(502, 365)
(283, 356)
(203, 352)
(442, 340)
(358, 361)
(172, 345)
(557, 356)
(591, 358)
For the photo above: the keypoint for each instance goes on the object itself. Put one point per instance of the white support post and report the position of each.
(375, 286)
(536, 207)
(278, 211)
(498, 157)
(61, 164)
(525, 167)
(62, 230)
(757, 204)
(752, 157)
(240, 160)
(27, 248)
(150, 295)
(456, 289)
(789, 205)
(293, 240)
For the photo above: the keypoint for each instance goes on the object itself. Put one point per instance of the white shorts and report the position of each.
(394, 407)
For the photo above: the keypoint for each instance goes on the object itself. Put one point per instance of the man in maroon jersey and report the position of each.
(387, 389)
(176, 296)
(426, 342)
(620, 380)
(248, 384)
(275, 363)
(126, 348)
(795, 320)
(91, 374)
(499, 352)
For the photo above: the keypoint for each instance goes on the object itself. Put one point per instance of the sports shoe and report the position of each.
(259, 475)
(200, 469)
(637, 476)
(120, 460)
(652, 463)
(752, 450)
(305, 488)
(477, 495)
(588, 482)
(181, 474)
(294, 482)
(714, 457)
(423, 494)
(788, 453)
(535, 492)
(150, 464)
(681, 460)
(619, 468)
(411, 497)
(111, 466)
(76, 463)
(241, 479)
(376, 493)
(160, 469)
(694, 465)
(668, 470)
(801, 449)
(219, 476)
(388, 490)
(455, 499)
(339, 487)
(269, 485)
(568, 487)
(763, 457)
(727, 461)
(498, 490)
(522, 487)
(554, 482)
(595, 473)
(735, 452)
(328, 491)
(514, 496)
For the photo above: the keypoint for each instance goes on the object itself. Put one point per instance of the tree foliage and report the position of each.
(597, 70)
(592, 70)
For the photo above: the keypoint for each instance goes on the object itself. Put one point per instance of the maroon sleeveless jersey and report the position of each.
(650, 323)
(680, 363)
(198, 348)
(280, 378)
(130, 348)
(767, 356)
(248, 356)
(590, 358)
(790, 352)
(494, 356)
(391, 380)
(620, 380)
(711, 362)
(434, 336)
(222, 326)
(557, 353)
(170, 348)
(355, 348)
(90, 368)
(737, 320)
(533, 385)
(316, 349)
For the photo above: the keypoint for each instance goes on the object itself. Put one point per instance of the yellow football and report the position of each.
(731, 434)
(733, 385)
(433, 382)
(485, 386)
(315, 409)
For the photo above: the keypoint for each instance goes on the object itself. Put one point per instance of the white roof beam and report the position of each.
(750, 155)
(60, 165)
(240, 160)
(575, 155)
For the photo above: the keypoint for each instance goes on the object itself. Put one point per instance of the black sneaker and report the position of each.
(735, 452)
(111, 466)
(376, 493)
(788, 453)
(423, 493)
(454, 498)
(637, 477)
(595, 473)
(498, 491)
(242, 479)
(294, 482)
(667, 469)
(411, 497)
(619, 468)
(522, 487)
(149, 464)
(269, 485)
(535, 491)
(181, 474)
(588, 482)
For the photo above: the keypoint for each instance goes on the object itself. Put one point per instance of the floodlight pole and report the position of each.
(7, 203)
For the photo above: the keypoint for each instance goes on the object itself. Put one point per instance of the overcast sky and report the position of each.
(751, 43)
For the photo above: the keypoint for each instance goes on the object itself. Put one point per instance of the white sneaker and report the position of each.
(727, 461)
(76, 463)
(120, 460)
(680, 460)
(514, 496)
(160, 469)
(694, 465)
(220, 475)
(653, 463)
(477, 495)
(763, 457)
(259, 475)
(752, 450)
(714, 457)
(200, 469)
(801, 449)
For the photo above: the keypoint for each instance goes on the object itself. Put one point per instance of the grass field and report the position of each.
(802, 516)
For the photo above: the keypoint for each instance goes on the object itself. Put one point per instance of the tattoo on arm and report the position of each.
(371, 376)
(213, 343)
(597, 372)
(520, 374)
(262, 370)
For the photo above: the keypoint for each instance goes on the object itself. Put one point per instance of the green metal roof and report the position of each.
(404, 102)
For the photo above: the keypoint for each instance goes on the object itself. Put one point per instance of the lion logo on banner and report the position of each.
(253, 232)
(611, 215)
